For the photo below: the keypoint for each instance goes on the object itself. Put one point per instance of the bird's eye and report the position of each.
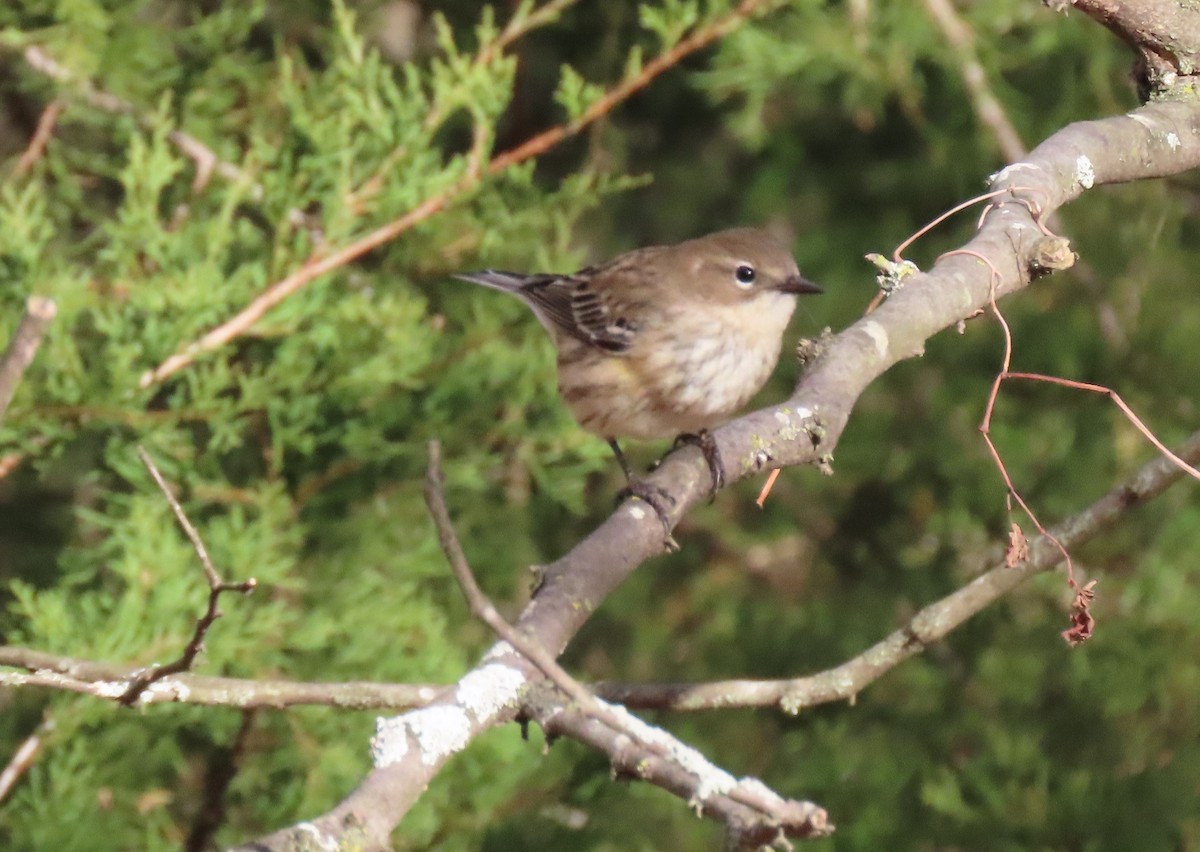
(745, 275)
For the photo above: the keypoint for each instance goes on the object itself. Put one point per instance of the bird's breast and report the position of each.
(688, 370)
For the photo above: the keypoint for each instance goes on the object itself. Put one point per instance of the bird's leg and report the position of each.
(660, 501)
(716, 468)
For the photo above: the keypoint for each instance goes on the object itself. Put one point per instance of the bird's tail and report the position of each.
(509, 282)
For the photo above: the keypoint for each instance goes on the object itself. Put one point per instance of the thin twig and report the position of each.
(207, 162)
(23, 758)
(315, 267)
(933, 622)
(987, 105)
(216, 587)
(39, 312)
(41, 136)
(1121, 404)
(481, 607)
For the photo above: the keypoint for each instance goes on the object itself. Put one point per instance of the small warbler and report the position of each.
(665, 340)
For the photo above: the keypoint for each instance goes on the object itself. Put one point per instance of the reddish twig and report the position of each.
(765, 491)
(216, 587)
(1120, 403)
(41, 136)
(1081, 618)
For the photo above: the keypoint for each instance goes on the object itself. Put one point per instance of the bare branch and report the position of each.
(110, 681)
(748, 807)
(1156, 140)
(480, 605)
(39, 312)
(216, 586)
(41, 136)
(23, 758)
(931, 624)
(987, 105)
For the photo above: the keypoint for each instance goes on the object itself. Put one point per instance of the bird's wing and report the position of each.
(565, 303)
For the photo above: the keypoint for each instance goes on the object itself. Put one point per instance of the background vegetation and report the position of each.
(299, 448)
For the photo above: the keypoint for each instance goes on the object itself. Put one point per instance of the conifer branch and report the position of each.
(319, 265)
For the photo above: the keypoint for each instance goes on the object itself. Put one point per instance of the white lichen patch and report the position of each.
(1173, 141)
(878, 335)
(167, 689)
(1008, 170)
(710, 780)
(108, 688)
(316, 838)
(439, 731)
(390, 743)
(489, 689)
(757, 788)
(1085, 172)
(499, 651)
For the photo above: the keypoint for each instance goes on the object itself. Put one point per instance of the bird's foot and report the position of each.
(658, 500)
(716, 468)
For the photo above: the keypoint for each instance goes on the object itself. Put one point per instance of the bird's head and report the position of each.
(742, 265)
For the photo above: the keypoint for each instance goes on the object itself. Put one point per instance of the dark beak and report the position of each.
(798, 284)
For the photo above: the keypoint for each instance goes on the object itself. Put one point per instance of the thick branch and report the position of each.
(753, 813)
(1164, 33)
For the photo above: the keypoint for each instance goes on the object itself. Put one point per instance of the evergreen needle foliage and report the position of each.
(297, 448)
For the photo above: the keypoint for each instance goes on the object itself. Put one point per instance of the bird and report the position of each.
(666, 340)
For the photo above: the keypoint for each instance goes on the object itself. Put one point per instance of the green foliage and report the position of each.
(298, 449)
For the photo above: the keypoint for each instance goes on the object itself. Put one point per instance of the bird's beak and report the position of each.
(798, 284)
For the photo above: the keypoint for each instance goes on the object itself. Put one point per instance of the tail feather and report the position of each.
(509, 282)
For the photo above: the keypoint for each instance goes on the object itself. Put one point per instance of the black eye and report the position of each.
(744, 274)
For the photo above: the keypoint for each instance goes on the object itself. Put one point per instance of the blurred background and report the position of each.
(298, 448)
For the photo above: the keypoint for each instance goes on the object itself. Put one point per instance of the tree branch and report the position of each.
(753, 813)
(931, 624)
